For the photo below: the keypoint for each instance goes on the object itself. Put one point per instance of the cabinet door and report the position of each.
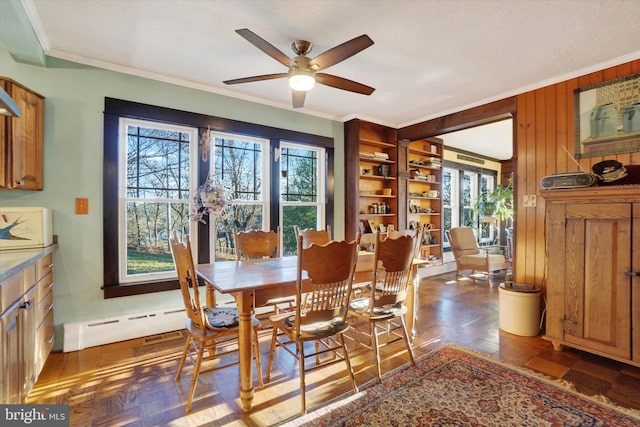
(597, 291)
(4, 138)
(11, 384)
(635, 284)
(25, 141)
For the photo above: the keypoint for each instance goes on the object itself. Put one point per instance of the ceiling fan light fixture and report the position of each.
(301, 80)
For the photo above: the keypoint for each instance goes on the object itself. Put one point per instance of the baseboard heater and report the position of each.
(79, 335)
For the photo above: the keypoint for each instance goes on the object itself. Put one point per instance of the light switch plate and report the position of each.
(529, 200)
(82, 206)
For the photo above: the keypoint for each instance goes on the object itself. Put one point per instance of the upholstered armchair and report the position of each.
(469, 256)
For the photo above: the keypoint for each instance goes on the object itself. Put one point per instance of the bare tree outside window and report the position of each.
(157, 195)
(238, 166)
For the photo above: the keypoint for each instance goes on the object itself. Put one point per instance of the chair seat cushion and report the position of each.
(481, 259)
(321, 328)
(361, 305)
(218, 317)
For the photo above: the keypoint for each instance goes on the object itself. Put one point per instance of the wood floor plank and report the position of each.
(129, 383)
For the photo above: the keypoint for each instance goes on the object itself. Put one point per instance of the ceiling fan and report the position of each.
(303, 71)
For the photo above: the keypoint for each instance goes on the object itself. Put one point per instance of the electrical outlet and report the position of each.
(82, 206)
(529, 200)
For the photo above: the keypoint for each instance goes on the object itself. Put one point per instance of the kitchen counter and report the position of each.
(13, 261)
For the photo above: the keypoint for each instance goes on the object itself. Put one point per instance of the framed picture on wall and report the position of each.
(607, 117)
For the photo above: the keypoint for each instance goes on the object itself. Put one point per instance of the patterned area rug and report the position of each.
(452, 386)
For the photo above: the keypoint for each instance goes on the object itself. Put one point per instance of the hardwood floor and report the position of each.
(131, 384)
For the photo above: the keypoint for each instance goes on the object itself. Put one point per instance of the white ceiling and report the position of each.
(430, 57)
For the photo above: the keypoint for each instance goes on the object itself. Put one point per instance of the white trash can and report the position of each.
(519, 309)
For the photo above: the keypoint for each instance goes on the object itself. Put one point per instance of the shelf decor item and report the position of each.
(606, 117)
(209, 199)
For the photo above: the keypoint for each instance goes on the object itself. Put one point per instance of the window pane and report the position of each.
(299, 175)
(148, 228)
(243, 217)
(157, 163)
(303, 217)
(238, 165)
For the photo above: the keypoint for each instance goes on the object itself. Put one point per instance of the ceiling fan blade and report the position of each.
(341, 52)
(298, 98)
(255, 78)
(265, 46)
(344, 84)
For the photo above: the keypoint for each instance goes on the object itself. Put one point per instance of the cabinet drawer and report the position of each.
(45, 305)
(12, 289)
(44, 266)
(44, 287)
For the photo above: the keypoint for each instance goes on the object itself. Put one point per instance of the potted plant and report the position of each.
(496, 203)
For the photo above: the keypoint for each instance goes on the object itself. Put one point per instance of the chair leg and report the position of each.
(349, 367)
(196, 373)
(256, 349)
(376, 345)
(183, 358)
(272, 349)
(303, 397)
(406, 340)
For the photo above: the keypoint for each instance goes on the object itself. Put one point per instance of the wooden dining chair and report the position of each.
(313, 236)
(212, 329)
(323, 318)
(256, 244)
(252, 245)
(382, 312)
(469, 256)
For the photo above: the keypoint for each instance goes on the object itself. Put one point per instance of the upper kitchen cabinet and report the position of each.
(371, 178)
(22, 139)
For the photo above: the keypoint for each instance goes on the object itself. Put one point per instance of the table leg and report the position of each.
(210, 294)
(245, 344)
(412, 296)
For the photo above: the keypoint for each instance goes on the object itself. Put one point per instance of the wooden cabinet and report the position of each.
(371, 178)
(22, 140)
(26, 325)
(424, 193)
(43, 312)
(593, 262)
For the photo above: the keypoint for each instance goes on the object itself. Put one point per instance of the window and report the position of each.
(462, 185)
(155, 184)
(241, 166)
(301, 191)
(450, 199)
(154, 159)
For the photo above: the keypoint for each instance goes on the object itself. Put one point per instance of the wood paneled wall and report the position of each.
(544, 125)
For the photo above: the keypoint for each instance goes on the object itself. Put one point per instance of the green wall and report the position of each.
(73, 168)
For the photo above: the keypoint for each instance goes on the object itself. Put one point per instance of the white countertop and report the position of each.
(12, 261)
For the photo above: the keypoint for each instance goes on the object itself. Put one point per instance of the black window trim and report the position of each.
(114, 109)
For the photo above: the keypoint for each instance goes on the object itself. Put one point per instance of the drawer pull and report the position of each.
(632, 273)
(50, 307)
(51, 338)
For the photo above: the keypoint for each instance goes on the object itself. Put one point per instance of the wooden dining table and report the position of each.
(252, 283)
